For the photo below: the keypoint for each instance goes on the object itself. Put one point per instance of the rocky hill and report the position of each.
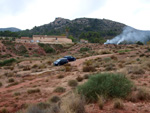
(77, 26)
(12, 29)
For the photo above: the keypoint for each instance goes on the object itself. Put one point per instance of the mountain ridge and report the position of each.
(75, 27)
(12, 29)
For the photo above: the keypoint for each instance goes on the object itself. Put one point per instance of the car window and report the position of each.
(58, 60)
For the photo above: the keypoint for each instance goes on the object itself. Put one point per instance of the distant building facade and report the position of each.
(24, 40)
(51, 39)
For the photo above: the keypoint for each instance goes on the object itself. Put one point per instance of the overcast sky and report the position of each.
(25, 14)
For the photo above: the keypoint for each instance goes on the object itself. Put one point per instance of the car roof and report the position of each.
(67, 56)
(63, 58)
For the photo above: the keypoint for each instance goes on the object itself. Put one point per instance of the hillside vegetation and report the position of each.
(75, 28)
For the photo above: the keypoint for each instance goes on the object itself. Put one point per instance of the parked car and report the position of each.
(70, 58)
(61, 61)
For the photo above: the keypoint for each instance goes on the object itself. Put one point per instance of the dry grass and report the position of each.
(135, 70)
(118, 104)
(74, 104)
(101, 102)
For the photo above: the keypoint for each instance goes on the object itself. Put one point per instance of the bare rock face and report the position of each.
(60, 21)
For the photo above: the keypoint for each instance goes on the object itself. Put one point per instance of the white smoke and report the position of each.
(130, 36)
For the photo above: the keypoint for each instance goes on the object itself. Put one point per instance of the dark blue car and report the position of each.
(61, 61)
(70, 58)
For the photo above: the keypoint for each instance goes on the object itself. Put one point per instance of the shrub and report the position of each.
(60, 90)
(47, 48)
(118, 104)
(7, 62)
(60, 76)
(107, 59)
(43, 105)
(12, 84)
(17, 93)
(1, 84)
(72, 83)
(4, 110)
(26, 55)
(11, 80)
(105, 52)
(30, 91)
(36, 55)
(86, 76)
(110, 67)
(139, 43)
(114, 57)
(9, 67)
(84, 49)
(88, 62)
(54, 99)
(89, 69)
(26, 68)
(43, 108)
(9, 74)
(105, 84)
(21, 50)
(35, 66)
(143, 94)
(79, 78)
(124, 51)
(34, 109)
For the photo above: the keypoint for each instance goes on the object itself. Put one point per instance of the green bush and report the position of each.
(105, 84)
(139, 43)
(7, 62)
(84, 49)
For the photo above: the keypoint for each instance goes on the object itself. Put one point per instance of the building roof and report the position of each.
(25, 38)
(49, 36)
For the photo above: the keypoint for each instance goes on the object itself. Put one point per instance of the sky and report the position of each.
(25, 14)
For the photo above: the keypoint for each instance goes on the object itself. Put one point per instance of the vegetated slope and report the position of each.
(12, 29)
(10, 48)
(76, 27)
